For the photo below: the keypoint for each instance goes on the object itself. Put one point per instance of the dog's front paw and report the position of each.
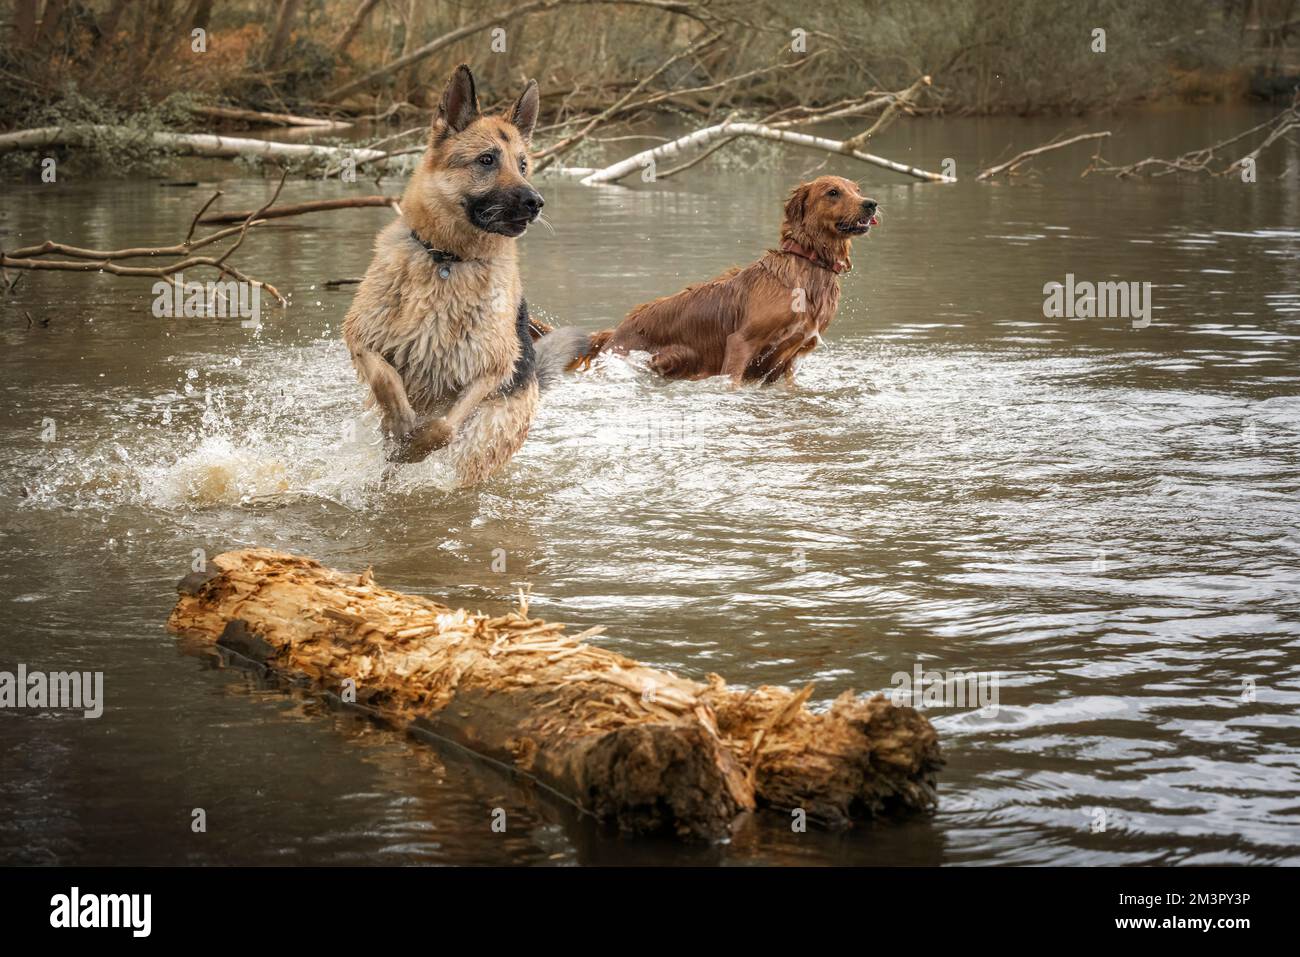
(417, 444)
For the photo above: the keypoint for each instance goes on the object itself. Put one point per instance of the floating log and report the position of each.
(644, 748)
(187, 144)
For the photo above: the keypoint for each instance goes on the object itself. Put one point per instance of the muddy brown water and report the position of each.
(1102, 516)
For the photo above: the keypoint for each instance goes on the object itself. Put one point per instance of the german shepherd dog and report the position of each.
(439, 328)
(755, 324)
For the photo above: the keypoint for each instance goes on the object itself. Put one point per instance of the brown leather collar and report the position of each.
(837, 267)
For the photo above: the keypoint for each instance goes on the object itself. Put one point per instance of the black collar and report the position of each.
(437, 255)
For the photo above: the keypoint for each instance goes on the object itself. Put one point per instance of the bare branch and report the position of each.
(297, 209)
(566, 144)
(81, 259)
(699, 138)
(1198, 160)
(536, 6)
(1010, 165)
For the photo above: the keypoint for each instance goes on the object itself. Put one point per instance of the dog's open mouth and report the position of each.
(858, 227)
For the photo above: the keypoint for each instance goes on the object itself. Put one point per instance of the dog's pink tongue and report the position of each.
(874, 221)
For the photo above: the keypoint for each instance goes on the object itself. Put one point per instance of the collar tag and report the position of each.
(440, 256)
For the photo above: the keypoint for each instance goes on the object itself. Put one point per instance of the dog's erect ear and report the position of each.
(796, 204)
(459, 107)
(524, 113)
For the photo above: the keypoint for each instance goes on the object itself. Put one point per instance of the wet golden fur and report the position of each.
(754, 323)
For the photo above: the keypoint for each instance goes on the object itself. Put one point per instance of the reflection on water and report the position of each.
(1103, 515)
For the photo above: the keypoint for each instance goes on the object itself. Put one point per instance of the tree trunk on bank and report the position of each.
(199, 14)
(410, 42)
(628, 743)
(280, 35)
(354, 26)
(24, 23)
(52, 19)
(112, 19)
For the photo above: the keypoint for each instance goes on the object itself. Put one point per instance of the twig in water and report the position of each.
(1010, 165)
(297, 209)
(1198, 160)
(106, 260)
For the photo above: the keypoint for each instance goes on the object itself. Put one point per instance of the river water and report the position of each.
(1099, 514)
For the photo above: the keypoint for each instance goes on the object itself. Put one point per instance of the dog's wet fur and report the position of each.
(755, 323)
(445, 344)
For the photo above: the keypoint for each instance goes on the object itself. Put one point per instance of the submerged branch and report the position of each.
(81, 259)
(1198, 160)
(297, 209)
(1011, 165)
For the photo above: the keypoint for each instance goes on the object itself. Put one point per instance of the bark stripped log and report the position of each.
(710, 134)
(637, 746)
(187, 144)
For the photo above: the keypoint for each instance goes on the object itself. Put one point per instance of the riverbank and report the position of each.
(610, 65)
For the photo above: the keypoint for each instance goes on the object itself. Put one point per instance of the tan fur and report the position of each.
(437, 352)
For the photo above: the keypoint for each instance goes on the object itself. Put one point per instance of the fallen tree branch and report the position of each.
(810, 116)
(625, 742)
(1290, 122)
(1198, 160)
(1020, 158)
(699, 157)
(898, 102)
(800, 115)
(189, 144)
(81, 259)
(546, 156)
(670, 95)
(776, 125)
(266, 119)
(298, 209)
(701, 138)
(334, 169)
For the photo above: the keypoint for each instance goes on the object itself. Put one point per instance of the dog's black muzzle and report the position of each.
(506, 211)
